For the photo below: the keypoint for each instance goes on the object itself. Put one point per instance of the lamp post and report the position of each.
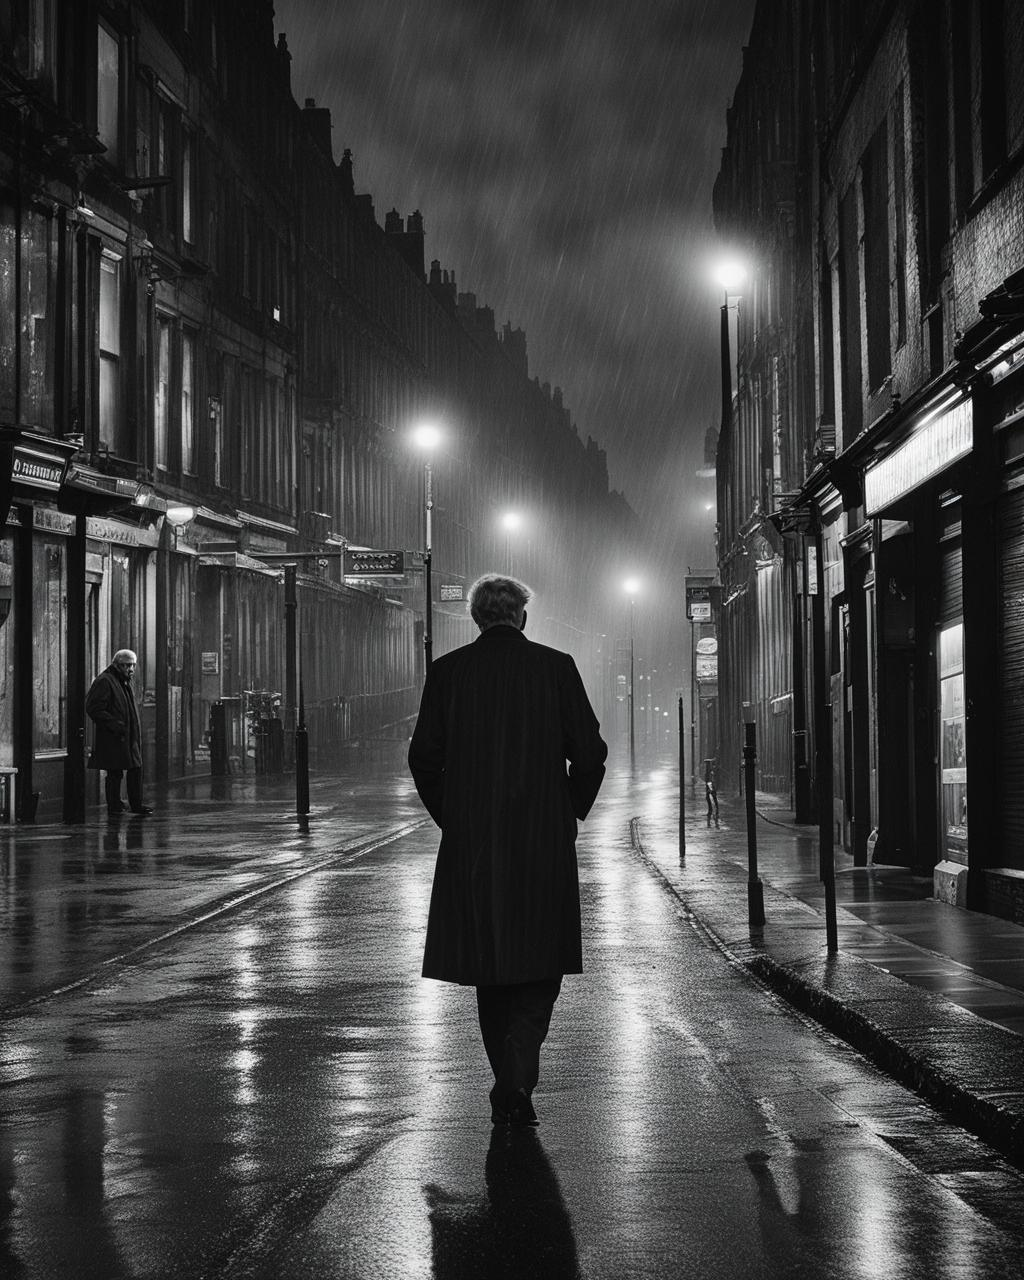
(427, 437)
(631, 586)
(729, 276)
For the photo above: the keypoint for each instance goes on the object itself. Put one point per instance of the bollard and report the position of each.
(302, 766)
(218, 740)
(682, 797)
(755, 891)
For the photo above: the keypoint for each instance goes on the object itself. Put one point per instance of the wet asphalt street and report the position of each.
(218, 1060)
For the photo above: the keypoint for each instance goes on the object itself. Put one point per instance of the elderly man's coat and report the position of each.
(498, 722)
(110, 704)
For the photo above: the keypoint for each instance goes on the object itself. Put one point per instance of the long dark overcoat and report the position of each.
(110, 704)
(499, 720)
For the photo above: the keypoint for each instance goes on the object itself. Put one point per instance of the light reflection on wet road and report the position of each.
(277, 1094)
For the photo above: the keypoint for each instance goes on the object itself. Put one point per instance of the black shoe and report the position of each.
(144, 812)
(518, 1111)
(114, 814)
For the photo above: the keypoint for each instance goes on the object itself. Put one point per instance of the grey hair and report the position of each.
(124, 655)
(496, 600)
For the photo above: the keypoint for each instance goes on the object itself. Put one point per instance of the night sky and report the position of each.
(562, 153)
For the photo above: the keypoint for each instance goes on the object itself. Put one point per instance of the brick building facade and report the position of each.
(211, 360)
(889, 475)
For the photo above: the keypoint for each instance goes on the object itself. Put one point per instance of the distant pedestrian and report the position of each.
(498, 722)
(117, 747)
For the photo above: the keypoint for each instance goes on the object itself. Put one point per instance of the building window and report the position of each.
(110, 351)
(188, 169)
(875, 187)
(34, 51)
(37, 313)
(108, 91)
(188, 400)
(161, 409)
(49, 618)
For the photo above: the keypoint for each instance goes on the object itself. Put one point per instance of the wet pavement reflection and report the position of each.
(273, 1092)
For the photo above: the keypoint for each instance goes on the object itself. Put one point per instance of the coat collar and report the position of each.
(501, 631)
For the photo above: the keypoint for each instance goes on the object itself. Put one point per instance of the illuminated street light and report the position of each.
(427, 437)
(730, 275)
(511, 522)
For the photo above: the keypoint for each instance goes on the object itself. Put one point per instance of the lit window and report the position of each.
(188, 147)
(110, 349)
(108, 77)
(162, 391)
(188, 400)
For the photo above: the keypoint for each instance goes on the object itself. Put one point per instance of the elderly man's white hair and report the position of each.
(497, 599)
(124, 655)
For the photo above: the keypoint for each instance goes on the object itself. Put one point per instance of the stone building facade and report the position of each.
(211, 360)
(898, 498)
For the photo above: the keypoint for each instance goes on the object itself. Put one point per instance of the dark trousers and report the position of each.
(514, 1021)
(133, 785)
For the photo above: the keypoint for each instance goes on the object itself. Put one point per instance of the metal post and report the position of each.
(632, 734)
(302, 765)
(428, 607)
(755, 892)
(693, 702)
(682, 784)
(291, 606)
(823, 745)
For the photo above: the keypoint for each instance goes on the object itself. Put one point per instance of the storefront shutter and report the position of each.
(1011, 643)
(952, 597)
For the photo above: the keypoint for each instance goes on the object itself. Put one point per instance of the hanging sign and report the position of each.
(374, 564)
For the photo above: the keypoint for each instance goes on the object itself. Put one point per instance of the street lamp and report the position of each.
(511, 521)
(427, 437)
(631, 586)
(729, 276)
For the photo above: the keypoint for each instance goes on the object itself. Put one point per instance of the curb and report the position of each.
(1000, 1126)
(931, 1044)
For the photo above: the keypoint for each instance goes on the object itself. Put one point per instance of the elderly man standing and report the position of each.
(110, 704)
(499, 720)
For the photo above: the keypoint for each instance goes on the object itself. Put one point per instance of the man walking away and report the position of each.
(499, 720)
(110, 704)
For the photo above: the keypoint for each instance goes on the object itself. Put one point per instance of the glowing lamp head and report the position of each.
(631, 586)
(511, 521)
(426, 436)
(730, 275)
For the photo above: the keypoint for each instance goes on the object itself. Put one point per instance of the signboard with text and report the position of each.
(451, 590)
(374, 564)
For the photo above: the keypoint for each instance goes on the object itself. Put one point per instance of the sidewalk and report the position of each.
(932, 993)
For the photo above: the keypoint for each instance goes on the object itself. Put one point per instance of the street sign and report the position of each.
(451, 591)
(698, 598)
(374, 564)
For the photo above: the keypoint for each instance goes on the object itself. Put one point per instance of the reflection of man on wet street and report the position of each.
(498, 721)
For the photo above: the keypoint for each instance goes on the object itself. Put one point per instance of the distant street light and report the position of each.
(631, 586)
(427, 437)
(511, 521)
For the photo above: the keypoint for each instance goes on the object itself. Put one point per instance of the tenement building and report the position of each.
(874, 461)
(212, 363)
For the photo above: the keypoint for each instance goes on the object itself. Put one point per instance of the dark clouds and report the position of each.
(562, 153)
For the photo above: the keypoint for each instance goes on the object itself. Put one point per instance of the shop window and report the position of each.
(110, 434)
(108, 91)
(188, 401)
(953, 742)
(6, 650)
(162, 391)
(49, 618)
